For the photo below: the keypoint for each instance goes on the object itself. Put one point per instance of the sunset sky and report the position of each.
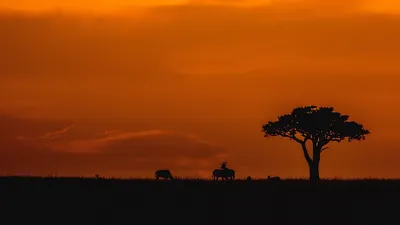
(125, 87)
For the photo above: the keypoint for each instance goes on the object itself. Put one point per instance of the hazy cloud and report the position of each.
(175, 39)
(130, 153)
(156, 64)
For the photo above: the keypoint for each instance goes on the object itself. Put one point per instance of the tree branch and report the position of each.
(337, 139)
(305, 152)
(292, 137)
(298, 140)
(324, 149)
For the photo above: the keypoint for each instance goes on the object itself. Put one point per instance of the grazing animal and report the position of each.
(166, 174)
(274, 178)
(224, 174)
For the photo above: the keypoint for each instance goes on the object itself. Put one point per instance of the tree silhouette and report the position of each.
(320, 125)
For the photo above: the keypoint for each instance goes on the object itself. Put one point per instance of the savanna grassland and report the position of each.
(118, 201)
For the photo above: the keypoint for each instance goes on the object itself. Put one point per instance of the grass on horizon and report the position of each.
(189, 178)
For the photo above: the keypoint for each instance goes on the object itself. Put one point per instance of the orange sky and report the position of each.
(112, 5)
(187, 85)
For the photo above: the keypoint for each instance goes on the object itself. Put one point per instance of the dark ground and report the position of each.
(91, 201)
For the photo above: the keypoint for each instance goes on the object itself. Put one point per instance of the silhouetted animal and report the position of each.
(248, 178)
(274, 178)
(224, 174)
(166, 174)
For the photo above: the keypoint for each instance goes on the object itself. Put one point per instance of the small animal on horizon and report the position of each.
(225, 174)
(248, 178)
(273, 178)
(166, 174)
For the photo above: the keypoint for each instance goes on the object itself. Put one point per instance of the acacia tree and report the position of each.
(320, 125)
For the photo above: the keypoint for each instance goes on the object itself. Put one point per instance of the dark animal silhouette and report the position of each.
(320, 126)
(248, 178)
(223, 165)
(274, 178)
(166, 174)
(224, 174)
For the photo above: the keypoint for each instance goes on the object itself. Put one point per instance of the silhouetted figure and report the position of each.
(248, 178)
(223, 165)
(166, 174)
(274, 178)
(320, 125)
(225, 174)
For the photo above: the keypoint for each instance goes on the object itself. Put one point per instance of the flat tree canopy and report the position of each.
(320, 125)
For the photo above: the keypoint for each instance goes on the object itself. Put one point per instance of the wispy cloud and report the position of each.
(97, 145)
(58, 133)
(133, 153)
(121, 135)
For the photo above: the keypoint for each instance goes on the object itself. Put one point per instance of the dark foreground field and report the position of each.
(91, 201)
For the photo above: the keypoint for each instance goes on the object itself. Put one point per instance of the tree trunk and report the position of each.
(314, 166)
(313, 163)
(314, 171)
